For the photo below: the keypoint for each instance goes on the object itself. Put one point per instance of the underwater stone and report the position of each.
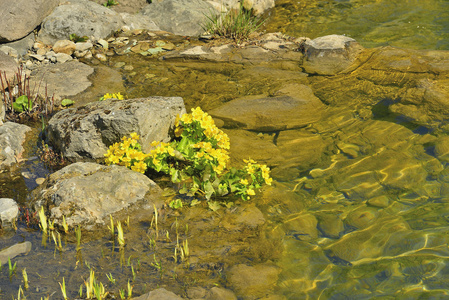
(13, 251)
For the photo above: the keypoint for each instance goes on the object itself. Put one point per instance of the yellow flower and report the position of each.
(134, 136)
(250, 192)
(244, 181)
(139, 166)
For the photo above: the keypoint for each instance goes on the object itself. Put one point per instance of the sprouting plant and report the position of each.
(110, 3)
(130, 290)
(120, 236)
(77, 39)
(12, 268)
(134, 273)
(156, 264)
(20, 294)
(51, 225)
(64, 225)
(111, 228)
(63, 290)
(43, 220)
(110, 278)
(25, 278)
(234, 24)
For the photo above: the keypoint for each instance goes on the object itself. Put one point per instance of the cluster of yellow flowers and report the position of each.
(112, 96)
(158, 154)
(252, 168)
(207, 124)
(127, 153)
(219, 157)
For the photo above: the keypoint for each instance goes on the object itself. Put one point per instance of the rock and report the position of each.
(368, 243)
(85, 18)
(87, 193)
(21, 17)
(379, 201)
(13, 251)
(196, 292)
(85, 133)
(23, 45)
(159, 294)
(63, 80)
(9, 51)
(258, 6)
(302, 226)
(330, 225)
(297, 108)
(9, 210)
(181, 17)
(330, 55)
(138, 21)
(253, 282)
(12, 136)
(442, 148)
(8, 65)
(64, 46)
(62, 57)
(83, 46)
(361, 217)
(217, 293)
(243, 216)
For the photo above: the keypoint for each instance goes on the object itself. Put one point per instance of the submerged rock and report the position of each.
(253, 282)
(159, 294)
(297, 108)
(12, 136)
(13, 251)
(330, 54)
(87, 193)
(85, 133)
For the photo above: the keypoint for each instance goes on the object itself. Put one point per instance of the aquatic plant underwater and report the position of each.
(197, 158)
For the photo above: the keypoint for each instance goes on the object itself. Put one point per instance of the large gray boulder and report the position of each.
(87, 193)
(20, 17)
(87, 18)
(85, 133)
(182, 17)
(330, 55)
(12, 136)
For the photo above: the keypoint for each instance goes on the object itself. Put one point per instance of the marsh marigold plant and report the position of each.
(198, 158)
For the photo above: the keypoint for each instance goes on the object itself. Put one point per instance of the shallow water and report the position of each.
(411, 24)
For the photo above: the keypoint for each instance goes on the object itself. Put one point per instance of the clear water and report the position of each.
(411, 24)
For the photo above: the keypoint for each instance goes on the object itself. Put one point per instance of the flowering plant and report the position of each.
(197, 157)
(111, 96)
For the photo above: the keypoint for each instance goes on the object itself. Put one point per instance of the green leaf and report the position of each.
(175, 204)
(214, 205)
(67, 102)
(208, 190)
(17, 107)
(195, 202)
(22, 100)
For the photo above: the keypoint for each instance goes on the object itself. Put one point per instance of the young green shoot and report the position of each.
(25, 279)
(120, 236)
(111, 228)
(20, 294)
(63, 290)
(12, 268)
(130, 290)
(64, 225)
(43, 220)
(134, 273)
(51, 225)
(110, 278)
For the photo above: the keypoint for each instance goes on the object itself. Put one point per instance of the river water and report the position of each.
(358, 207)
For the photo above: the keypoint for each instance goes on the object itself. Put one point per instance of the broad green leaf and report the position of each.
(208, 190)
(214, 205)
(17, 107)
(22, 100)
(67, 102)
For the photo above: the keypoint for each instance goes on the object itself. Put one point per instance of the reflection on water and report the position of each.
(411, 24)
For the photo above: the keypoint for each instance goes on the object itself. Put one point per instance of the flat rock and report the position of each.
(87, 193)
(296, 108)
(13, 251)
(330, 55)
(86, 132)
(12, 136)
(21, 17)
(253, 282)
(62, 80)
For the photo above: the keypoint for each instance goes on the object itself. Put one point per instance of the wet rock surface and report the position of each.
(87, 193)
(12, 137)
(9, 211)
(86, 132)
